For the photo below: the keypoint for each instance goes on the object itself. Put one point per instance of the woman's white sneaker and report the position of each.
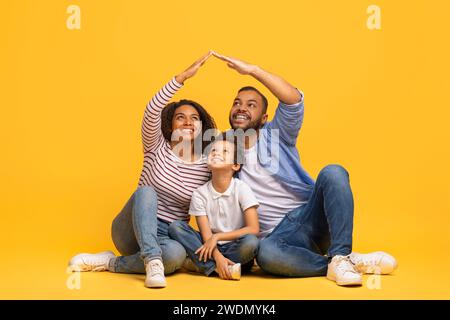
(378, 262)
(91, 261)
(343, 272)
(155, 274)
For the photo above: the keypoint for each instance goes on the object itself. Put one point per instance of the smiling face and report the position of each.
(222, 156)
(247, 111)
(186, 122)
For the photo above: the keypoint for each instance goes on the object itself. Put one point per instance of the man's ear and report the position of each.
(264, 118)
(236, 167)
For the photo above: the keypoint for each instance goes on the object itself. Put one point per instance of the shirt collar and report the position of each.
(227, 193)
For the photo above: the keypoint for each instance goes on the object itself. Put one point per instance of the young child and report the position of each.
(225, 211)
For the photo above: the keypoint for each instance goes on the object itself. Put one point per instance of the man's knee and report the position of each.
(334, 173)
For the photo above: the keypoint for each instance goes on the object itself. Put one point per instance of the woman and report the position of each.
(173, 169)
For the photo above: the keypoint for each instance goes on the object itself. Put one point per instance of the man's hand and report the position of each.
(192, 70)
(236, 64)
(281, 89)
(205, 252)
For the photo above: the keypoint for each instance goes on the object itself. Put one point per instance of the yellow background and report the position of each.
(377, 102)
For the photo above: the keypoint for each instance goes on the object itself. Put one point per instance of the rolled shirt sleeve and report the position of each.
(288, 120)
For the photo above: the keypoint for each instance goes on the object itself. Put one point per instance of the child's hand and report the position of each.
(206, 250)
(222, 269)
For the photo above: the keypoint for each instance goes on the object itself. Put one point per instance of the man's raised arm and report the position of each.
(280, 88)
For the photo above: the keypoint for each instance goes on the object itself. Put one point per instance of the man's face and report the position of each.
(247, 111)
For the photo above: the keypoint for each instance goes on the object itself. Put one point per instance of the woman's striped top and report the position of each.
(173, 179)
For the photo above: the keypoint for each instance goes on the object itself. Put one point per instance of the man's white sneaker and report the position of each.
(235, 271)
(155, 274)
(91, 261)
(374, 263)
(343, 272)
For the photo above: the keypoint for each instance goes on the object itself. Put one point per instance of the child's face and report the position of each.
(221, 156)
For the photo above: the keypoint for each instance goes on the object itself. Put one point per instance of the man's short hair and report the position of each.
(264, 99)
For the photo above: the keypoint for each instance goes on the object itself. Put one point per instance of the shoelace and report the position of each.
(372, 261)
(343, 264)
(156, 267)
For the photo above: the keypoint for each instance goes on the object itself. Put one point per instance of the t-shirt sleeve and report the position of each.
(198, 204)
(246, 197)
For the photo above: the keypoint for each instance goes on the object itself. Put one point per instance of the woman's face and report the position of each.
(186, 123)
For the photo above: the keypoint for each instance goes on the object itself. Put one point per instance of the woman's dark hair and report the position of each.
(169, 110)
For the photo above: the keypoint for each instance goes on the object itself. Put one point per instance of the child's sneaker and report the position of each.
(155, 274)
(235, 271)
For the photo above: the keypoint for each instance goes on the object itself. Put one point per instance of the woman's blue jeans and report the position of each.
(140, 236)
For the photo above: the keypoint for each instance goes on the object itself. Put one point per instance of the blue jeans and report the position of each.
(140, 236)
(297, 245)
(242, 250)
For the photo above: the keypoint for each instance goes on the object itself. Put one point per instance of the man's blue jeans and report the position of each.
(297, 245)
(242, 250)
(140, 236)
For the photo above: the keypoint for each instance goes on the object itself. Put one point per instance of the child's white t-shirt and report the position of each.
(225, 211)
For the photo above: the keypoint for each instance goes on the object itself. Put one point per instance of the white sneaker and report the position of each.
(376, 262)
(343, 272)
(155, 274)
(235, 271)
(91, 261)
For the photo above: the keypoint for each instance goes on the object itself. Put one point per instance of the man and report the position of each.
(306, 226)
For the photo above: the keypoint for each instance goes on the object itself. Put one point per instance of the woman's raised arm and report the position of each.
(151, 124)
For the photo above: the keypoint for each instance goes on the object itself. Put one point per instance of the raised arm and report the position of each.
(151, 124)
(288, 117)
(280, 88)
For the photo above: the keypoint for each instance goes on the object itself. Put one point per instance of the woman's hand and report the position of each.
(205, 252)
(192, 70)
(236, 64)
(222, 264)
